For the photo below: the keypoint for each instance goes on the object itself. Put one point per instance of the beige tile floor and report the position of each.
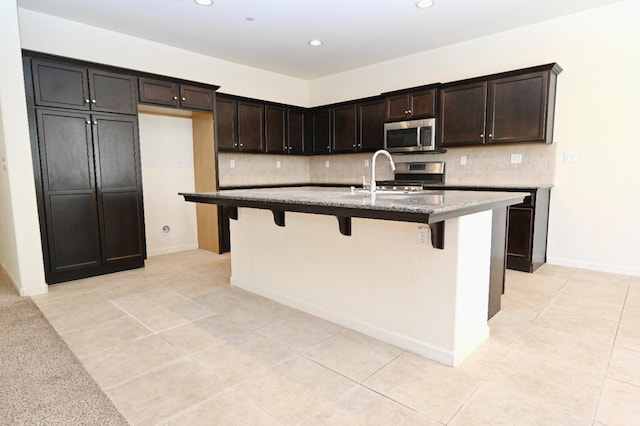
(174, 344)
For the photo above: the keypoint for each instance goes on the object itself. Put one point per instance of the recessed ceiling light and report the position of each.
(249, 19)
(424, 4)
(315, 42)
(204, 2)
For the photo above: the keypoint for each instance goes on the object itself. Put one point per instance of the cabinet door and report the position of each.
(275, 120)
(226, 124)
(111, 92)
(422, 104)
(462, 114)
(345, 128)
(295, 131)
(158, 92)
(372, 118)
(193, 97)
(321, 125)
(60, 85)
(520, 232)
(397, 107)
(250, 126)
(68, 184)
(518, 108)
(119, 187)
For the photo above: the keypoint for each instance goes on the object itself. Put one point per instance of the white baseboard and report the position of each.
(613, 269)
(24, 291)
(174, 249)
(405, 342)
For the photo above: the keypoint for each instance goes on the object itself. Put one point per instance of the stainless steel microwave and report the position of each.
(410, 135)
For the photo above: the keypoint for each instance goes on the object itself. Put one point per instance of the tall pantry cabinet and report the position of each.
(86, 153)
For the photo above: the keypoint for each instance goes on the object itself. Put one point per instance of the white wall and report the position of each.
(166, 151)
(595, 202)
(20, 250)
(46, 33)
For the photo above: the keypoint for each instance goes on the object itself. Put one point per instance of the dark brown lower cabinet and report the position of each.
(527, 232)
(90, 193)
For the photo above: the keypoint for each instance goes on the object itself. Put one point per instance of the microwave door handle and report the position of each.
(419, 137)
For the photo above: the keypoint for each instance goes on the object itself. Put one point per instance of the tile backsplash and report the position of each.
(484, 166)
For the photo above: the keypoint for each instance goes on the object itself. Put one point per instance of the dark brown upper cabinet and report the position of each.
(295, 131)
(284, 130)
(275, 129)
(463, 114)
(193, 97)
(226, 122)
(172, 94)
(514, 107)
(250, 126)
(354, 127)
(345, 128)
(64, 85)
(321, 130)
(372, 116)
(411, 105)
(240, 125)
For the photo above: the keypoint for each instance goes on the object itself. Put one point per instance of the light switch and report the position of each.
(326, 164)
(516, 158)
(366, 162)
(570, 157)
(278, 164)
(232, 164)
(463, 160)
(4, 163)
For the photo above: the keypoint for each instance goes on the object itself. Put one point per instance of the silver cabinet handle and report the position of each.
(95, 123)
(175, 98)
(184, 99)
(241, 145)
(354, 145)
(88, 122)
(93, 101)
(409, 112)
(482, 135)
(86, 101)
(235, 145)
(490, 135)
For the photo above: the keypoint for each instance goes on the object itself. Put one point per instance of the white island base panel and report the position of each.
(377, 281)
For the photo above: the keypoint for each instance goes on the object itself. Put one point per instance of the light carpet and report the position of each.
(41, 380)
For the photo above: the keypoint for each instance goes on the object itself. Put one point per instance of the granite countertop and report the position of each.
(435, 204)
(461, 186)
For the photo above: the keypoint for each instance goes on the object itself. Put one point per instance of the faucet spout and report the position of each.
(373, 187)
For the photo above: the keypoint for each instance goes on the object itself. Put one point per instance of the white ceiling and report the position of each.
(355, 32)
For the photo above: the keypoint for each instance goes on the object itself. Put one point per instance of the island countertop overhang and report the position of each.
(428, 206)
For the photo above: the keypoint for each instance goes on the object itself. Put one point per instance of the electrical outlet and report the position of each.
(232, 164)
(366, 162)
(463, 160)
(570, 157)
(326, 164)
(278, 164)
(423, 238)
(4, 163)
(516, 158)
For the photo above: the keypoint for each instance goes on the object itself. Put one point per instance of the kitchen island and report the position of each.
(410, 269)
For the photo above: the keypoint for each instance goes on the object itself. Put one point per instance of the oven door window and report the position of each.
(402, 138)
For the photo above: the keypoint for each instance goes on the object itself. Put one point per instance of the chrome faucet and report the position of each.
(372, 185)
